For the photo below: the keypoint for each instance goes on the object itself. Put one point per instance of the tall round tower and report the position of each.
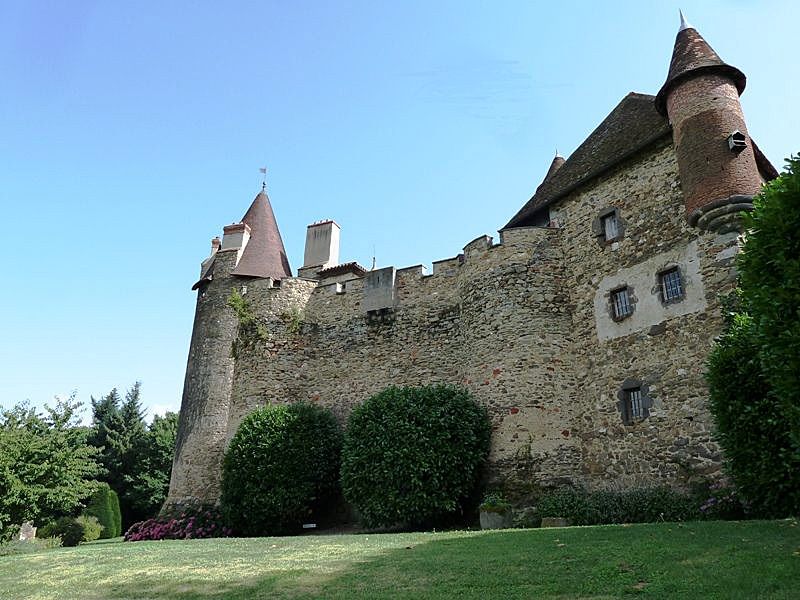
(252, 248)
(716, 160)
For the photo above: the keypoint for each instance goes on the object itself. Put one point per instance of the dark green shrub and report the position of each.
(754, 371)
(116, 512)
(281, 466)
(104, 506)
(413, 456)
(769, 267)
(567, 502)
(603, 507)
(755, 437)
(67, 528)
(495, 502)
(721, 502)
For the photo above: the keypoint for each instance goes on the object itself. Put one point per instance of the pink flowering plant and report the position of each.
(189, 523)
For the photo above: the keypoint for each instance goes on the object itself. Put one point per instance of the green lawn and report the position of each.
(756, 559)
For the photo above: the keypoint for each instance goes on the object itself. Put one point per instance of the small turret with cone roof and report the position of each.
(264, 255)
(557, 162)
(700, 97)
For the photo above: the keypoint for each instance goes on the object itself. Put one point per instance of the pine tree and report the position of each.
(117, 428)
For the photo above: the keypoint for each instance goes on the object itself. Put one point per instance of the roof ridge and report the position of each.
(631, 125)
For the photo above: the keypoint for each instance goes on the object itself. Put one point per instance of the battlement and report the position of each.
(379, 287)
(480, 275)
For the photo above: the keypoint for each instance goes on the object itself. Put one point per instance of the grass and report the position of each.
(755, 559)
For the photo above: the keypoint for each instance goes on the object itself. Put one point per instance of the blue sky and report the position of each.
(132, 132)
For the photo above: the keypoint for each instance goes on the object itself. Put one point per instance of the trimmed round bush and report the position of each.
(413, 456)
(104, 505)
(282, 465)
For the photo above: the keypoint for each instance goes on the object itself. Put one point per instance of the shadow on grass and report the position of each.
(710, 560)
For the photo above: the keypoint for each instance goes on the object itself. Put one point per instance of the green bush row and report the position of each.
(409, 457)
(642, 505)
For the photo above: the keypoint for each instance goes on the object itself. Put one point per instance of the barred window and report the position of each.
(621, 303)
(671, 285)
(611, 226)
(634, 405)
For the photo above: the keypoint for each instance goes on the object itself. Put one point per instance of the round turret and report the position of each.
(716, 161)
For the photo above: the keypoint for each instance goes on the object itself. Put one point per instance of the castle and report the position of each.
(584, 330)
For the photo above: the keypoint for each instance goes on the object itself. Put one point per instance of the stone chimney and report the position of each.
(322, 247)
(235, 238)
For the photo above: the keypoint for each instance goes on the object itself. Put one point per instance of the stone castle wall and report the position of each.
(525, 326)
(495, 322)
(662, 346)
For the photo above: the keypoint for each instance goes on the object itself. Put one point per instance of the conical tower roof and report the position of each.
(264, 255)
(558, 160)
(690, 56)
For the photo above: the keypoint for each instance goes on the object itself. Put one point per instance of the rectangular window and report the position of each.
(621, 303)
(611, 226)
(671, 286)
(634, 404)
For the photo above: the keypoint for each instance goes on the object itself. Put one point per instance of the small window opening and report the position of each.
(621, 303)
(671, 285)
(737, 142)
(634, 407)
(611, 226)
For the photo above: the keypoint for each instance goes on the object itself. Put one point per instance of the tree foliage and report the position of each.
(412, 456)
(146, 488)
(46, 467)
(282, 464)
(137, 459)
(754, 370)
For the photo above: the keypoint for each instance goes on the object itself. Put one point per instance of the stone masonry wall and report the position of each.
(667, 350)
(523, 324)
(495, 322)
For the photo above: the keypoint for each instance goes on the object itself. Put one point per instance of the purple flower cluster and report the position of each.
(723, 502)
(189, 524)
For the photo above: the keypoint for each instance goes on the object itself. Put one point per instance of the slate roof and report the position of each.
(692, 55)
(631, 126)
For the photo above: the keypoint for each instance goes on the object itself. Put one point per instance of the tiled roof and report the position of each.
(691, 55)
(631, 126)
(349, 267)
(264, 255)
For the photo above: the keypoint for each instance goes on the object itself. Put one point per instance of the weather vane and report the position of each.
(263, 171)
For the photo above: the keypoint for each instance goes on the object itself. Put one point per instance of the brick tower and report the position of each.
(716, 159)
